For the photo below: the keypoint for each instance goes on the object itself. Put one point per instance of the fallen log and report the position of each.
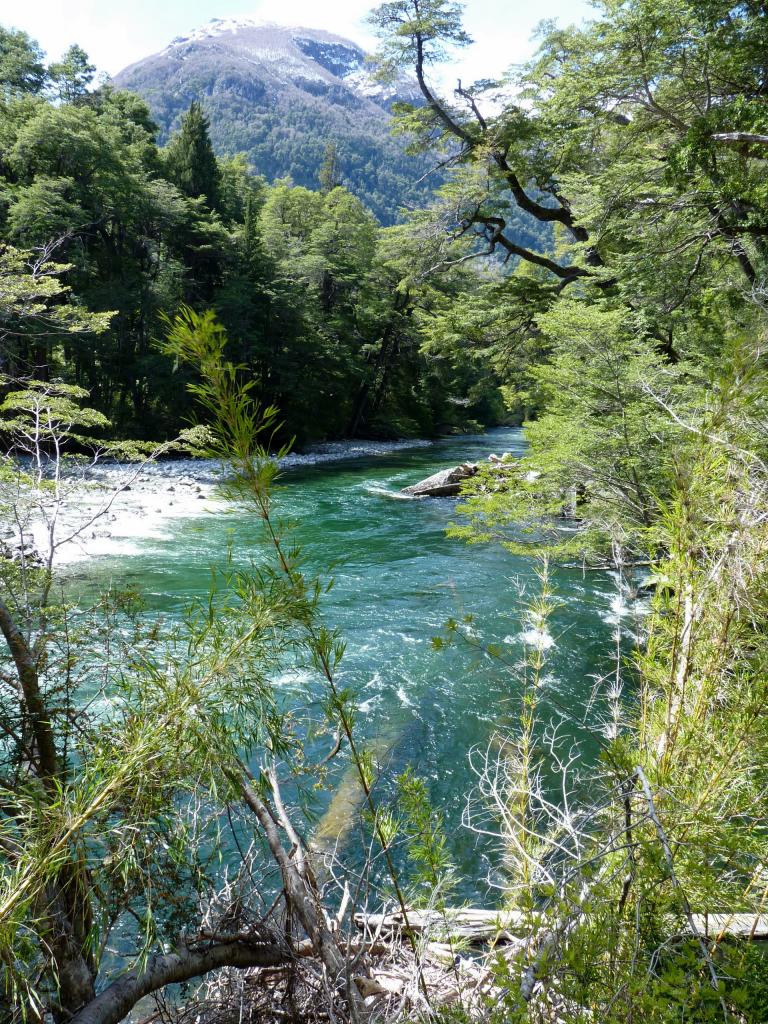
(479, 926)
(470, 925)
(445, 484)
(736, 926)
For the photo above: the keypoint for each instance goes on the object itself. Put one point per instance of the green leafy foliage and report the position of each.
(21, 64)
(433, 875)
(306, 282)
(72, 75)
(633, 344)
(617, 198)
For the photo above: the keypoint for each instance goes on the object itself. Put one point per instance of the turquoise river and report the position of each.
(398, 579)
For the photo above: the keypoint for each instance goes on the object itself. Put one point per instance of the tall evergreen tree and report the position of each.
(330, 169)
(191, 161)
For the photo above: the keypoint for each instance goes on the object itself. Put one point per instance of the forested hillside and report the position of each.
(324, 307)
(162, 763)
(279, 95)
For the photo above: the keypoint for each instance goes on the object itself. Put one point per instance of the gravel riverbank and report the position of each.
(117, 506)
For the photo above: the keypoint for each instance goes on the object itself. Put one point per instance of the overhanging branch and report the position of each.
(495, 235)
(113, 1004)
(736, 138)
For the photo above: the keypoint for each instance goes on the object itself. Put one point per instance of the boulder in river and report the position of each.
(445, 484)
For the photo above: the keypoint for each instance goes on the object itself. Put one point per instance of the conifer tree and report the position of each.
(191, 161)
(330, 169)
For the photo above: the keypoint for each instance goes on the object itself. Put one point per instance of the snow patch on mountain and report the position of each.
(364, 84)
(291, 53)
(339, 58)
(218, 27)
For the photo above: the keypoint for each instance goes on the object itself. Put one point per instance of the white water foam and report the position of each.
(535, 634)
(627, 605)
(366, 706)
(151, 496)
(385, 493)
(294, 677)
(403, 697)
(538, 638)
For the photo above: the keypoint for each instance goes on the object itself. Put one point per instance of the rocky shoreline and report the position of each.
(112, 508)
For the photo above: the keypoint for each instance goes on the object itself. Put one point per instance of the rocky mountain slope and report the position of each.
(280, 95)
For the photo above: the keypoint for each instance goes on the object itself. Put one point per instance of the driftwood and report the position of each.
(445, 484)
(390, 978)
(470, 925)
(741, 137)
(737, 926)
(478, 926)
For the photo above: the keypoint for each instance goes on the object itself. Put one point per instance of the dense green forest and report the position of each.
(628, 331)
(325, 308)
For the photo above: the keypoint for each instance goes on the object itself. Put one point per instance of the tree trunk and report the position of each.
(118, 999)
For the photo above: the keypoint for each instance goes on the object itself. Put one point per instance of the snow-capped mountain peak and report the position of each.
(290, 52)
(281, 93)
(217, 27)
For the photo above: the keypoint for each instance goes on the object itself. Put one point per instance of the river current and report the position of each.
(398, 579)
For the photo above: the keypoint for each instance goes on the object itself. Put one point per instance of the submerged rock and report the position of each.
(445, 484)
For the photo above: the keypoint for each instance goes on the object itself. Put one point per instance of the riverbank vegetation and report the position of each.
(642, 139)
(632, 888)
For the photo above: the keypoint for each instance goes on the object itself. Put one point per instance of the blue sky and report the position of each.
(116, 33)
